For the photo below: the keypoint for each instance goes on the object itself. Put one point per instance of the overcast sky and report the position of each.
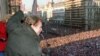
(28, 3)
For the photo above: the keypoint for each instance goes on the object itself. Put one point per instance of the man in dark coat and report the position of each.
(23, 39)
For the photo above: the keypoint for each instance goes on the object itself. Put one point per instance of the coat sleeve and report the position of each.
(15, 21)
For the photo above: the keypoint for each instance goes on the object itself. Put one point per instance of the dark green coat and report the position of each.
(22, 40)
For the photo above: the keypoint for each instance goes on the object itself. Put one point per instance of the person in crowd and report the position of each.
(3, 34)
(23, 35)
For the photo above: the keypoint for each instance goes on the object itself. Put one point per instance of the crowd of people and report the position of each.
(71, 41)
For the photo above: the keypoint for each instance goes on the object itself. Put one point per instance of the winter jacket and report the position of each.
(3, 36)
(22, 40)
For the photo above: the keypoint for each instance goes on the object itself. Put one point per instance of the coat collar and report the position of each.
(32, 32)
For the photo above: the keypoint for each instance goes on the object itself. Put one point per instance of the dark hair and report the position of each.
(31, 20)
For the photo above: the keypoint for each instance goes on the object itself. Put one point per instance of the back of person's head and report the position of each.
(32, 20)
(35, 23)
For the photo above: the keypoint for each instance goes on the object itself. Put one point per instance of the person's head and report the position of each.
(35, 23)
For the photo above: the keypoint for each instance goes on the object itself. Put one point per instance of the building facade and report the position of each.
(3, 8)
(54, 12)
(59, 12)
(82, 13)
(13, 6)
